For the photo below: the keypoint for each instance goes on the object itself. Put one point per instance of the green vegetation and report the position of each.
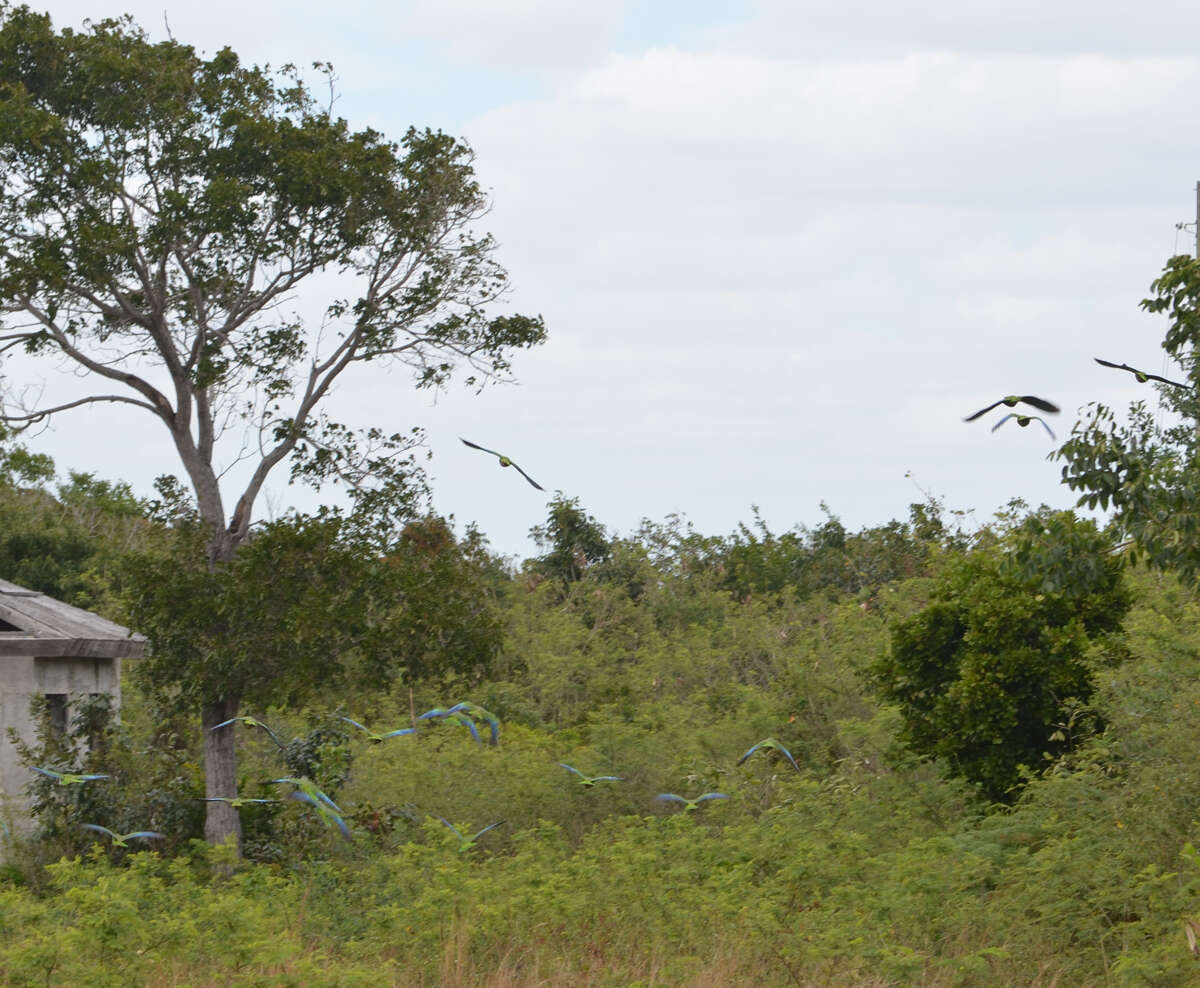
(871, 865)
(973, 751)
(158, 210)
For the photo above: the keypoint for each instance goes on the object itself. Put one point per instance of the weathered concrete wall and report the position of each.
(21, 679)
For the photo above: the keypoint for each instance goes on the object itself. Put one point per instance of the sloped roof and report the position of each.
(48, 627)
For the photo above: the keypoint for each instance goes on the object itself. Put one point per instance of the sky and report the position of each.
(782, 249)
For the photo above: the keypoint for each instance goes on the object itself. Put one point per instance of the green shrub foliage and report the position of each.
(988, 675)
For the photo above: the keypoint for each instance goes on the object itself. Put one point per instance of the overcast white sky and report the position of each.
(782, 248)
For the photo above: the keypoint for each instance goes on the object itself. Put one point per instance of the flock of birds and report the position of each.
(1011, 401)
(465, 714)
(306, 791)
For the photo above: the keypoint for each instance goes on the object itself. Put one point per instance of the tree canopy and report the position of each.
(162, 215)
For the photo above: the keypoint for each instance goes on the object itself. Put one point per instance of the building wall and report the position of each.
(23, 678)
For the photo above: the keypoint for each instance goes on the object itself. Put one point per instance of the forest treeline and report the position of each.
(994, 776)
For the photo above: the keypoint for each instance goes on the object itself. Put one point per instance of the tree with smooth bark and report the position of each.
(161, 216)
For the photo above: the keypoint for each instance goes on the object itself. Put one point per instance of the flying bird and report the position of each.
(476, 711)
(1012, 401)
(454, 717)
(250, 722)
(309, 788)
(237, 802)
(587, 781)
(377, 738)
(122, 840)
(66, 778)
(321, 805)
(689, 804)
(1142, 376)
(504, 462)
(1024, 420)
(769, 744)
(467, 843)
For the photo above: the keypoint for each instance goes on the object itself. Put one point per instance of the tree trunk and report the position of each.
(220, 772)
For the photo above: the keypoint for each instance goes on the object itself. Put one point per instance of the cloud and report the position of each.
(518, 34)
(823, 29)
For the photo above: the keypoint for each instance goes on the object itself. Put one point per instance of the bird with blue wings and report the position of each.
(249, 722)
(322, 804)
(122, 840)
(237, 802)
(377, 738)
(504, 461)
(588, 781)
(309, 788)
(477, 712)
(466, 843)
(452, 717)
(770, 744)
(1023, 421)
(689, 804)
(67, 778)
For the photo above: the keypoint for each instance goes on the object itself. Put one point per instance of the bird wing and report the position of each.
(608, 778)
(983, 411)
(403, 730)
(327, 816)
(443, 819)
(527, 477)
(357, 724)
(258, 723)
(710, 795)
(1177, 384)
(469, 724)
(435, 712)
(788, 754)
(1046, 427)
(224, 723)
(570, 768)
(56, 776)
(1045, 406)
(669, 797)
(1142, 373)
(148, 834)
(1010, 415)
(484, 448)
(100, 830)
(491, 826)
(750, 752)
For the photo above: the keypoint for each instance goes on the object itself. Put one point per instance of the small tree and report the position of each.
(990, 669)
(1149, 473)
(571, 540)
(159, 212)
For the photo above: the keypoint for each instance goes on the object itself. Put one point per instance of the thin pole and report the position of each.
(1198, 220)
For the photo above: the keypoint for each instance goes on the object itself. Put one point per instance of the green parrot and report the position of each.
(1012, 401)
(504, 462)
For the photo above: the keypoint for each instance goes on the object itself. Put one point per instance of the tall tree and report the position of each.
(159, 214)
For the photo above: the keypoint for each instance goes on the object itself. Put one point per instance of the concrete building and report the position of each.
(51, 649)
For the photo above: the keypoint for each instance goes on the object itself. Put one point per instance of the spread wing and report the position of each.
(484, 449)
(527, 477)
(1040, 403)
(983, 411)
(1139, 374)
(492, 826)
(100, 830)
(402, 731)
